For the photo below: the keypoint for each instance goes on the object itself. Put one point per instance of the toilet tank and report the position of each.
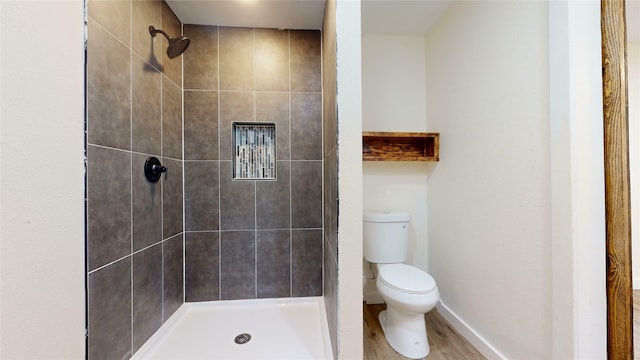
(385, 236)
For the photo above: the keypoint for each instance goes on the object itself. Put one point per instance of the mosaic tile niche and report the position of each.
(254, 148)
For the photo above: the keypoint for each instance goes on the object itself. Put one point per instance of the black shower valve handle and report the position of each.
(158, 168)
(153, 169)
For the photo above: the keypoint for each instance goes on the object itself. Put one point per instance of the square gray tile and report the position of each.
(238, 265)
(172, 191)
(108, 205)
(306, 262)
(108, 90)
(202, 276)
(237, 200)
(147, 294)
(172, 267)
(273, 201)
(306, 60)
(236, 58)
(201, 191)
(109, 311)
(306, 126)
(272, 59)
(201, 59)
(201, 125)
(274, 263)
(146, 99)
(306, 194)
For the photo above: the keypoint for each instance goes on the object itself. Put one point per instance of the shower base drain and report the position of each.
(242, 338)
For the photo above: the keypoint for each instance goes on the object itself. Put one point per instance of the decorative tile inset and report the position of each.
(254, 152)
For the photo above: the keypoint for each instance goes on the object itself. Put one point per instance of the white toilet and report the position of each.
(408, 291)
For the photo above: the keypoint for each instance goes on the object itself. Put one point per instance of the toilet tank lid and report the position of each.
(386, 216)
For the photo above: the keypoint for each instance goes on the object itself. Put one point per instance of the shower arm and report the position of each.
(153, 31)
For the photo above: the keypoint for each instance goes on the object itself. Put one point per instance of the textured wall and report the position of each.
(489, 197)
(250, 239)
(42, 292)
(134, 228)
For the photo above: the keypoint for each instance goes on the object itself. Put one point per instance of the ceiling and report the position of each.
(274, 14)
(378, 16)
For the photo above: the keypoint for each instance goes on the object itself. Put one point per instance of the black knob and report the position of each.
(153, 169)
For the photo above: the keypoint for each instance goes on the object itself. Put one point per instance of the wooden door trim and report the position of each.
(617, 188)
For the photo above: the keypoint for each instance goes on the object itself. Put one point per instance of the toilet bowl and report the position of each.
(409, 293)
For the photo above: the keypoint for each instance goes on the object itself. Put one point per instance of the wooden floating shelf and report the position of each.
(400, 146)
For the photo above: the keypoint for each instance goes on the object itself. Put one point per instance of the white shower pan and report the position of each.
(287, 328)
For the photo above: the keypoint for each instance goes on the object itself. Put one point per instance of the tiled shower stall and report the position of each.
(197, 234)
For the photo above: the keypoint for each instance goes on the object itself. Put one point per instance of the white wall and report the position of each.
(489, 197)
(633, 69)
(394, 99)
(349, 105)
(516, 212)
(42, 171)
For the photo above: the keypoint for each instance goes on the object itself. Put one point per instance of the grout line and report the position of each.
(131, 167)
(290, 174)
(184, 236)
(218, 97)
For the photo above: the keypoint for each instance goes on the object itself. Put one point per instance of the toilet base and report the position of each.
(406, 333)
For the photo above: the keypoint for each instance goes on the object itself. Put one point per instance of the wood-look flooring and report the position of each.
(445, 342)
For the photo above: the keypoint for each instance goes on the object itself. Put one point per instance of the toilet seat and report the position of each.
(406, 279)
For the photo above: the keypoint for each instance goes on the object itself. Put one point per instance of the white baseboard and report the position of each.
(636, 283)
(468, 333)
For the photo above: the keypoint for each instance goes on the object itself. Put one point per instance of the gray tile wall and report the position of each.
(134, 228)
(244, 238)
